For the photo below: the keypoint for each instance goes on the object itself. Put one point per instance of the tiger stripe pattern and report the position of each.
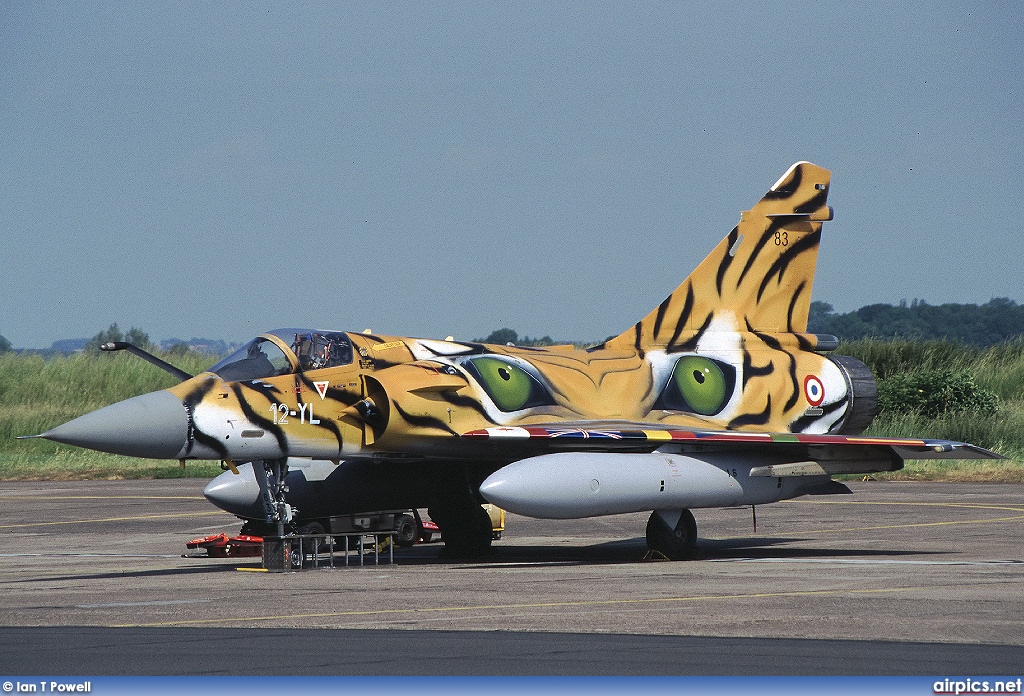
(727, 350)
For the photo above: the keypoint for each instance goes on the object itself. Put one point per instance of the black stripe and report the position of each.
(209, 441)
(768, 339)
(749, 370)
(792, 306)
(774, 343)
(423, 421)
(775, 226)
(796, 385)
(753, 418)
(660, 316)
(691, 343)
(265, 423)
(471, 349)
(727, 259)
(808, 243)
(466, 402)
(814, 202)
(801, 424)
(684, 316)
(195, 434)
(327, 424)
(343, 396)
(805, 343)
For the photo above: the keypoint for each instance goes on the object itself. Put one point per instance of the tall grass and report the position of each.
(998, 369)
(38, 394)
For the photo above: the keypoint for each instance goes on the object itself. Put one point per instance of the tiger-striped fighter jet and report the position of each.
(718, 397)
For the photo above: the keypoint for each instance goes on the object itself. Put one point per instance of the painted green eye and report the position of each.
(510, 387)
(699, 385)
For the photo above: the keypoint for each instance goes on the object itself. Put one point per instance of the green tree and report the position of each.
(113, 334)
(139, 337)
(5, 345)
(504, 337)
(178, 349)
(820, 316)
(501, 337)
(998, 320)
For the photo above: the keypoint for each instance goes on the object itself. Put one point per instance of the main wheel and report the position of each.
(466, 533)
(312, 546)
(678, 543)
(405, 531)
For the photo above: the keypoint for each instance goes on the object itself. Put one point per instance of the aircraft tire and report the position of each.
(313, 527)
(465, 533)
(405, 531)
(679, 544)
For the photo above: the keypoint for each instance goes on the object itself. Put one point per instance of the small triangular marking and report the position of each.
(321, 388)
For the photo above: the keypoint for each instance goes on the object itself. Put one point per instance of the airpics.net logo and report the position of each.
(968, 687)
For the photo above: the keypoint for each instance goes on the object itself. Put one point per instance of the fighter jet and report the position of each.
(718, 397)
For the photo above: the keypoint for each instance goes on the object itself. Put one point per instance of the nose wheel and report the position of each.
(673, 533)
(272, 492)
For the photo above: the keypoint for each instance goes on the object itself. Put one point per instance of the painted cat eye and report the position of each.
(510, 386)
(698, 385)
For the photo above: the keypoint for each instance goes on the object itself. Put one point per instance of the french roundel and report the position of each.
(814, 390)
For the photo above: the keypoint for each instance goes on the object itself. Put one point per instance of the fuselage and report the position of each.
(377, 395)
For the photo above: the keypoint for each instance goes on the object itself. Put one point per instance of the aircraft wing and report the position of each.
(805, 453)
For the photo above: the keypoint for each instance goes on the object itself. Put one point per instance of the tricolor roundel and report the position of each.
(814, 390)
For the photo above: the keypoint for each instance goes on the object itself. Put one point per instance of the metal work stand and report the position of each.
(321, 551)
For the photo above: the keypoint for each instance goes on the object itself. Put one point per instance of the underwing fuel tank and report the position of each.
(569, 485)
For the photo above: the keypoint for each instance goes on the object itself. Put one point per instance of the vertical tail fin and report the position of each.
(762, 272)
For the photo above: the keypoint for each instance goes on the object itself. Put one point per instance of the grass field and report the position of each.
(998, 370)
(37, 394)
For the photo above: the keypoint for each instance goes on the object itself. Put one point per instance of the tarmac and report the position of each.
(896, 579)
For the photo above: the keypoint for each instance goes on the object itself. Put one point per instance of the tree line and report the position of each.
(998, 320)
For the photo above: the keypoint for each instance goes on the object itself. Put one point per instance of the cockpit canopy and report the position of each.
(285, 351)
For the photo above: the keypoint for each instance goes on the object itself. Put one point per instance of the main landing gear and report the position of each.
(465, 529)
(673, 533)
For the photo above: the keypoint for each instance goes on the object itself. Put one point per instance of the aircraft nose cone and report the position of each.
(153, 425)
(238, 493)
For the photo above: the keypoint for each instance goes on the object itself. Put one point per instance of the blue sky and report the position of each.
(433, 169)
